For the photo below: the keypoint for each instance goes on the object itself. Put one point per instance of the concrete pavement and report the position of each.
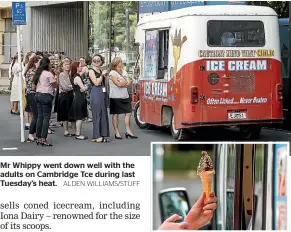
(10, 137)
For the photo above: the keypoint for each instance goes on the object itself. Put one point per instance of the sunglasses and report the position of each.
(96, 61)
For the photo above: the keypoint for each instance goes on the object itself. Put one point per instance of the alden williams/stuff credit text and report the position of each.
(102, 183)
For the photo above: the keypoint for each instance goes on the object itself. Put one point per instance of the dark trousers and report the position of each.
(99, 113)
(44, 108)
(31, 104)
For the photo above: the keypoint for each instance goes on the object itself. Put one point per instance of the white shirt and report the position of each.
(115, 91)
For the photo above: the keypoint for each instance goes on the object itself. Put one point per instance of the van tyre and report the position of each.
(179, 134)
(251, 132)
(136, 113)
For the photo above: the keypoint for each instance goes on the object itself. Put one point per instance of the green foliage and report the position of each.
(100, 22)
(119, 21)
(5, 92)
(282, 8)
(182, 161)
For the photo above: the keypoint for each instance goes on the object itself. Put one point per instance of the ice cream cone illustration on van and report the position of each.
(177, 42)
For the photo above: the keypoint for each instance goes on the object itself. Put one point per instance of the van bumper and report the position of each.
(234, 123)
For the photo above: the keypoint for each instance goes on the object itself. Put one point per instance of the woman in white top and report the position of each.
(120, 102)
(15, 87)
(11, 79)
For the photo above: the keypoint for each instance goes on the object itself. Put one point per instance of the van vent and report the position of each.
(242, 82)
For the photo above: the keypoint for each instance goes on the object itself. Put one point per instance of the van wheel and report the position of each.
(136, 112)
(251, 132)
(178, 134)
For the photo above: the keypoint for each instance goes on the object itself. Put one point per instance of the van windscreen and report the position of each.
(235, 33)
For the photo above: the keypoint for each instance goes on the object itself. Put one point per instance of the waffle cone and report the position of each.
(206, 179)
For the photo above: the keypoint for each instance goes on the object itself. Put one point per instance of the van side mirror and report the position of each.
(173, 201)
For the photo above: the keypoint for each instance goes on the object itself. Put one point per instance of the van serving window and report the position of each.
(235, 33)
(163, 54)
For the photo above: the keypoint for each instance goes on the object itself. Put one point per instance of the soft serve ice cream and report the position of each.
(206, 171)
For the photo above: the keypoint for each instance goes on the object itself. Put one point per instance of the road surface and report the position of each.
(10, 138)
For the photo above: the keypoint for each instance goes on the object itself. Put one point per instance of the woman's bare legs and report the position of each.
(78, 127)
(15, 107)
(73, 126)
(127, 123)
(115, 125)
(66, 127)
(26, 119)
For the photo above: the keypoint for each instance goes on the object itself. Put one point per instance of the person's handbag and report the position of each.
(107, 87)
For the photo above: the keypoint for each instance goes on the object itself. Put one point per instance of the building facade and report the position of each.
(8, 43)
(80, 28)
(76, 28)
(56, 27)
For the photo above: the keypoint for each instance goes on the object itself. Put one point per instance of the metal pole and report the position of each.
(110, 30)
(127, 28)
(158, 162)
(137, 15)
(289, 61)
(86, 29)
(20, 85)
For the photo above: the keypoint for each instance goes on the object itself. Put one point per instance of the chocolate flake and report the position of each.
(205, 163)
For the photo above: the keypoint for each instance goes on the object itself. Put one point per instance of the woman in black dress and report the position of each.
(98, 101)
(66, 96)
(79, 106)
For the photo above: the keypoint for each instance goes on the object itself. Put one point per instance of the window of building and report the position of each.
(9, 27)
(9, 40)
(235, 33)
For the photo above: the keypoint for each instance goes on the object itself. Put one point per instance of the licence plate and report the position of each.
(232, 116)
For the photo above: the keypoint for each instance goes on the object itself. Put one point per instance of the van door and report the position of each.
(236, 83)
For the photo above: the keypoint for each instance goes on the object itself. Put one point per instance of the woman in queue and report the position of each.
(66, 97)
(79, 106)
(11, 78)
(15, 86)
(27, 111)
(57, 63)
(86, 80)
(119, 98)
(45, 83)
(30, 94)
(97, 98)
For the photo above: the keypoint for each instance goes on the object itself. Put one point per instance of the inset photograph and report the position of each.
(220, 186)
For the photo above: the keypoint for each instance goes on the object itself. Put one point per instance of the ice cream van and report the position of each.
(208, 66)
(250, 184)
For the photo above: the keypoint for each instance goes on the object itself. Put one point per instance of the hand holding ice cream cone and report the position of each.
(199, 215)
(201, 212)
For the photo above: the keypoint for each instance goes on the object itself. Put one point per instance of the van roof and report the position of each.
(222, 10)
